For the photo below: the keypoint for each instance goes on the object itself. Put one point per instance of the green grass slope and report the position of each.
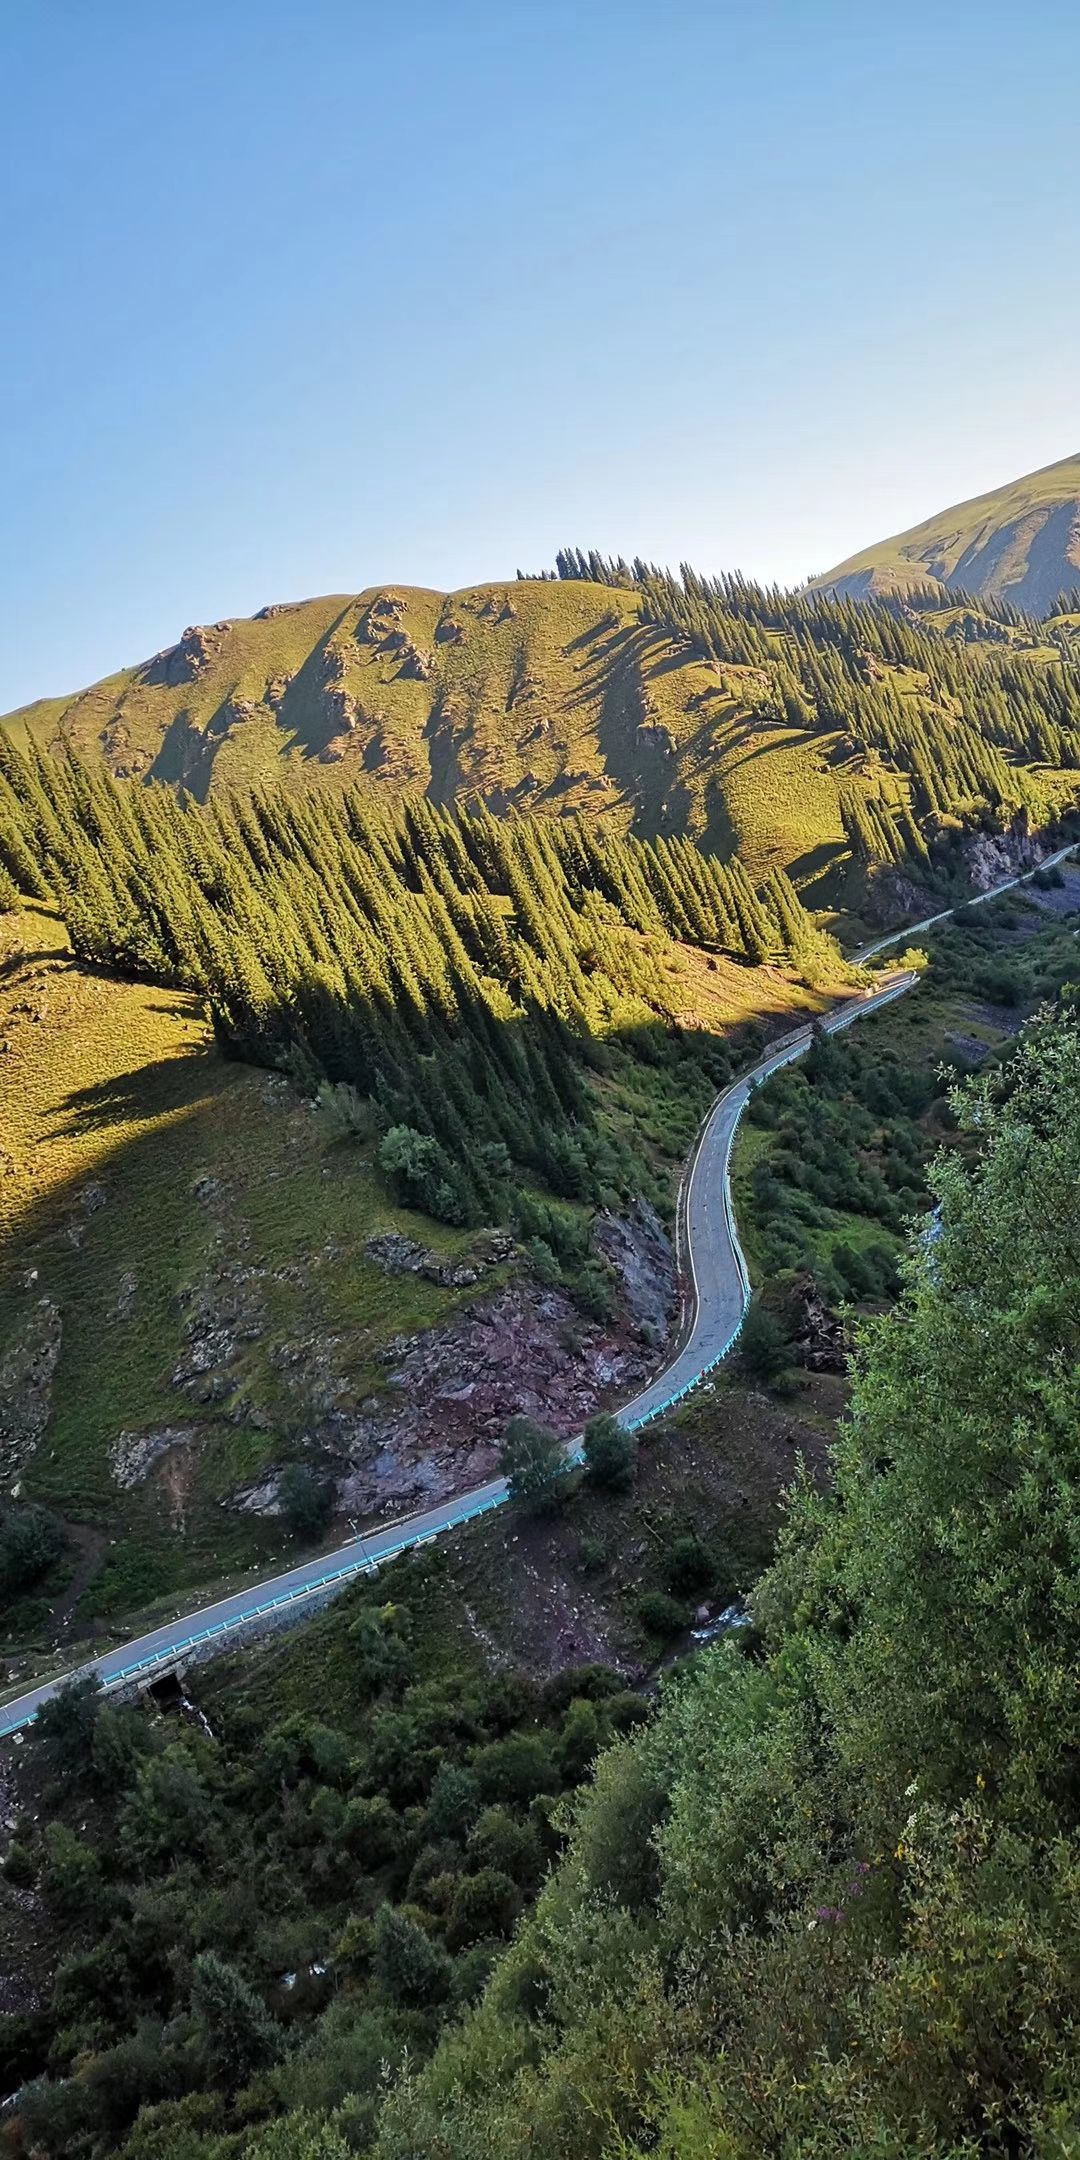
(532, 695)
(1019, 543)
(146, 1181)
(555, 696)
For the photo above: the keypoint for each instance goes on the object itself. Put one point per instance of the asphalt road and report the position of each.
(719, 1294)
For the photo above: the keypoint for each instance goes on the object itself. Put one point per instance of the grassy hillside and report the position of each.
(148, 1183)
(1019, 543)
(566, 695)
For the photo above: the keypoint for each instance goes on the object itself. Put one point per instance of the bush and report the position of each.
(500, 1841)
(579, 1741)
(19, 1866)
(543, 1262)
(592, 1289)
(236, 2031)
(533, 1462)
(471, 1973)
(346, 1114)
(690, 1566)
(305, 1500)
(661, 1616)
(610, 1454)
(483, 1906)
(763, 1348)
(67, 1721)
(592, 1555)
(516, 1768)
(409, 1967)
(31, 1542)
(454, 1803)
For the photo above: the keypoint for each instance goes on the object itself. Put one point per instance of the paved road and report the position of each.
(913, 930)
(720, 1291)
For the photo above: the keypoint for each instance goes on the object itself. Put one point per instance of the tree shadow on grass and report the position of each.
(159, 1089)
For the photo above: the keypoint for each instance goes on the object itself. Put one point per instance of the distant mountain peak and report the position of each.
(1019, 543)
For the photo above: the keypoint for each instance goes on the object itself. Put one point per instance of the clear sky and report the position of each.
(302, 295)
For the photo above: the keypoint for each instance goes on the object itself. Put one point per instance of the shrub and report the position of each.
(763, 1348)
(610, 1454)
(690, 1566)
(484, 1905)
(533, 1462)
(454, 1803)
(516, 1768)
(409, 1967)
(346, 1114)
(31, 1542)
(500, 1841)
(19, 1866)
(236, 2031)
(661, 1616)
(305, 1501)
(592, 1555)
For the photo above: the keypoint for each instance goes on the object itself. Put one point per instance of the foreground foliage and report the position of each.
(827, 1903)
(262, 1919)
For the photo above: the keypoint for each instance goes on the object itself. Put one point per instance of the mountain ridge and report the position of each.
(1019, 542)
(788, 728)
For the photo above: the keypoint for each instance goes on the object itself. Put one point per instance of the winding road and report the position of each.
(716, 1267)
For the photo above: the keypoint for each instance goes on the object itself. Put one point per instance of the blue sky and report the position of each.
(302, 297)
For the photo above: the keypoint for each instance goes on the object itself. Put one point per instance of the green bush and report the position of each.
(305, 1501)
(763, 1347)
(484, 1905)
(610, 1454)
(533, 1461)
(661, 1616)
(690, 1567)
(31, 1542)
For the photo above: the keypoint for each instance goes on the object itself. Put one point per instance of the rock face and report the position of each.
(993, 857)
(398, 1255)
(638, 1248)
(134, 1454)
(519, 1349)
(522, 1351)
(988, 858)
(26, 1378)
(185, 662)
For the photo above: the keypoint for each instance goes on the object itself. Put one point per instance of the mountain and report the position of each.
(1019, 543)
(753, 722)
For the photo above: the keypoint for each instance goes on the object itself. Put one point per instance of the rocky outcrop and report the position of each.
(638, 1249)
(415, 665)
(651, 735)
(985, 858)
(186, 661)
(993, 857)
(399, 1255)
(27, 1371)
(521, 1351)
(819, 1339)
(520, 1348)
(133, 1455)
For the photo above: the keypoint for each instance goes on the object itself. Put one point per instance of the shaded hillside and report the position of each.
(208, 1280)
(1019, 543)
(750, 721)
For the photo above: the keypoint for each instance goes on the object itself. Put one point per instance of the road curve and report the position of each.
(720, 1292)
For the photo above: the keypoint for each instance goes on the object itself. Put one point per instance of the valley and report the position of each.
(349, 1084)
